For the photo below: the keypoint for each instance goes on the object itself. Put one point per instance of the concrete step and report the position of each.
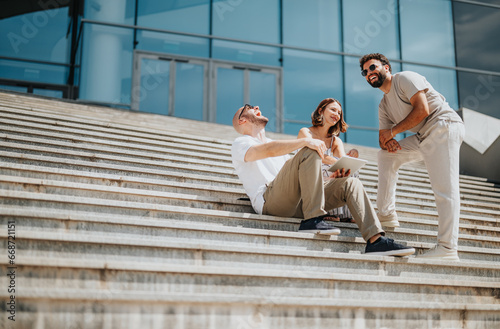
(156, 309)
(142, 159)
(223, 201)
(284, 251)
(407, 199)
(123, 277)
(419, 175)
(193, 222)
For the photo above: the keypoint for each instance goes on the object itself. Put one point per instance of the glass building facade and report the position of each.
(202, 59)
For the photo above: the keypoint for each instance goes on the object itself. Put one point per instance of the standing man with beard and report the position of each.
(293, 187)
(411, 103)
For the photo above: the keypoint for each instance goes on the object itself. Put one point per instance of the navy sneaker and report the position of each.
(317, 225)
(387, 247)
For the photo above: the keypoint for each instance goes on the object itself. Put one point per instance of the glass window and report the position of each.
(256, 20)
(432, 42)
(17, 70)
(39, 35)
(120, 12)
(154, 90)
(172, 44)
(230, 94)
(48, 92)
(308, 78)
(319, 26)
(371, 26)
(476, 29)
(244, 52)
(189, 91)
(106, 64)
(443, 80)
(480, 92)
(362, 137)
(14, 88)
(186, 16)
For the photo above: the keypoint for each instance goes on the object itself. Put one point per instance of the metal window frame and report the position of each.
(210, 81)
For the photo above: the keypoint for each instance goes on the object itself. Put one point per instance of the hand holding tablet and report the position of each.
(348, 163)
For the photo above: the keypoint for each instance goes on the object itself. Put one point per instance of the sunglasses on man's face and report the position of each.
(371, 68)
(247, 106)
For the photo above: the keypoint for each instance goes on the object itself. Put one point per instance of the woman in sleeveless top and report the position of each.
(328, 123)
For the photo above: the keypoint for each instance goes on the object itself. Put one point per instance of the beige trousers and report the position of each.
(298, 191)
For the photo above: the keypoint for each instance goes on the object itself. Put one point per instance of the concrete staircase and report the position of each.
(131, 220)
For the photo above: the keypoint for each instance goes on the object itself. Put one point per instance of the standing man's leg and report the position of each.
(388, 166)
(441, 154)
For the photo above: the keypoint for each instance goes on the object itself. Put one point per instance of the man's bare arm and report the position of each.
(420, 112)
(282, 147)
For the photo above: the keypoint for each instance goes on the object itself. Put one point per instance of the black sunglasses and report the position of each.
(247, 106)
(371, 68)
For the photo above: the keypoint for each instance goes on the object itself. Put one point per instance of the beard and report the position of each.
(258, 120)
(380, 81)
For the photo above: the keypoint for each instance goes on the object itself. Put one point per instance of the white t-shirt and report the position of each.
(395, 105)
(255, 174)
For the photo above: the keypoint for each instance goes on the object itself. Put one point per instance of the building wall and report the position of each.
(313, 47)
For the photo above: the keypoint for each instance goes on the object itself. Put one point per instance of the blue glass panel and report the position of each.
(106, 64)
(14, 88)
(186, 16)
(362, 137)
(172, 44)
(39, 35)
(480, 92)
(292, 128)
(153, 92)
(35, 72)
(229, 94)
(120, 12)
(256, 20)
(362, 100)
(48, 92)
(443, 80)
(243, 52)
(319, 26)
(263, 93)
(431, 42)
(309, 78)
(371, 26)
(189, 91)
(476, 29)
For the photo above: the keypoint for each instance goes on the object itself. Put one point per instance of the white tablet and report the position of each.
(347, 162)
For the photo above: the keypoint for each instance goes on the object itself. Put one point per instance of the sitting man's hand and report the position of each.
(317, 145)
(340, 173)
(393, 146)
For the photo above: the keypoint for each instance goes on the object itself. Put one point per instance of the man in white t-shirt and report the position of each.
(411, 103)
(293, 187)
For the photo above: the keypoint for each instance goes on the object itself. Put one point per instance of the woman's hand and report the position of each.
(353, 153)
(340, 173)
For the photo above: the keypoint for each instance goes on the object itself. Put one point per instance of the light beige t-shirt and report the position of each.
(395, 105)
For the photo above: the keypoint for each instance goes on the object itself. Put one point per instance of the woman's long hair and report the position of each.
(318, 120)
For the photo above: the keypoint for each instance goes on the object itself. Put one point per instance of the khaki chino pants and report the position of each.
(298, 191)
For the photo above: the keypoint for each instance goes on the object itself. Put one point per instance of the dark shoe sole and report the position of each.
(398, 253)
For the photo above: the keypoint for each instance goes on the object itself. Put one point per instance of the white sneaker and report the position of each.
(388, 221)
(442, 253)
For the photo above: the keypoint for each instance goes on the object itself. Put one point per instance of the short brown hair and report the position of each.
(376, 56)
(317, 117)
